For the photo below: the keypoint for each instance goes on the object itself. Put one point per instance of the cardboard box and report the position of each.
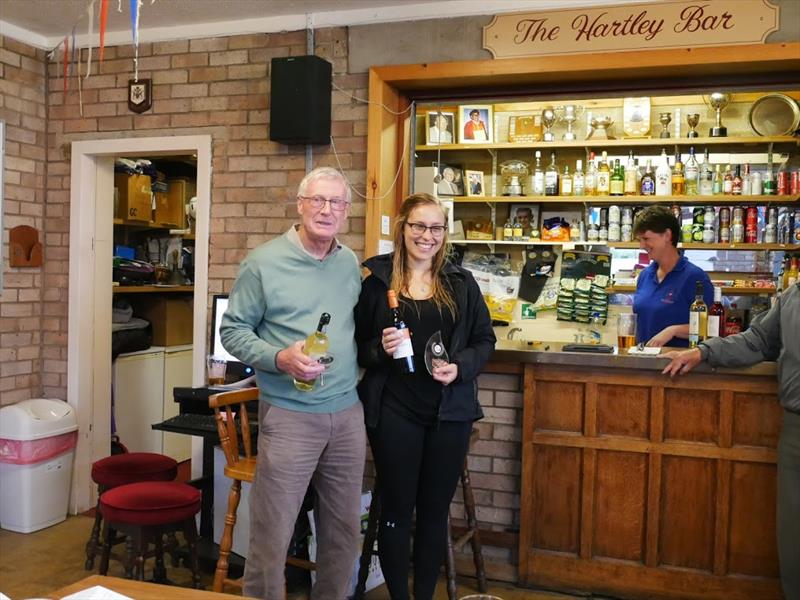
(135, 197)
(179, 191)
(170, 315)
(169, 211)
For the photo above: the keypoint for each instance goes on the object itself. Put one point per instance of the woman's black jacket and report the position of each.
(471, 344)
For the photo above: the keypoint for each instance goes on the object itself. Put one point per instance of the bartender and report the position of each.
(666, 288)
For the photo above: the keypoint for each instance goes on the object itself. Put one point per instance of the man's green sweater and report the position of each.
(278, 297)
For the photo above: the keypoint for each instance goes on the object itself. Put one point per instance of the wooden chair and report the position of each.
(240, 465)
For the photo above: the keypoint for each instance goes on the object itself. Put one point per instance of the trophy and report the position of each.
(569, 114)
(549, 119)
(665, 119)
(718, 101)
(692, 119)
(512, 171)
(600, 127)
(435, 352)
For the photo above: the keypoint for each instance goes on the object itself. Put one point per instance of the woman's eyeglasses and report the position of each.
(420, 229)
(337, 204)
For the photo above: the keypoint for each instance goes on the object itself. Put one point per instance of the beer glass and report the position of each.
(216, 370)
(626, 331)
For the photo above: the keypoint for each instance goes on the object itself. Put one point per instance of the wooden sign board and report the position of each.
(666, 24)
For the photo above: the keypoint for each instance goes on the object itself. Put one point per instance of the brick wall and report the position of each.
(22, 107)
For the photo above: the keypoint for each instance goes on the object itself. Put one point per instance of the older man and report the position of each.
(282, 289)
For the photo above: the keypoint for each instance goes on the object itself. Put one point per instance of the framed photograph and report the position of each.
(473, 184)
(439, 127)
(527, 215)
(475, 124)
(451, 180)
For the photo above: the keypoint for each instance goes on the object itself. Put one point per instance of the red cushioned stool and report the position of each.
(145, 511)
(122, 469)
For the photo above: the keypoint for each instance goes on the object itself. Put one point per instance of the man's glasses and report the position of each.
(337, 204)
(420, 229)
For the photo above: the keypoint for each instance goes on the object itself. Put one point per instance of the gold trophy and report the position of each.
(665, 118)
(600, 127)
(549, 118)
(718, 101)
(692, 119)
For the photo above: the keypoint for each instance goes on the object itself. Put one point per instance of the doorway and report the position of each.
(90, 291)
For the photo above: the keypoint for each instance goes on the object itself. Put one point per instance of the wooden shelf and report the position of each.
(682, 200)
(151, 289)
(143, 225)
(635, 245)
(726, 290)
(736, 142)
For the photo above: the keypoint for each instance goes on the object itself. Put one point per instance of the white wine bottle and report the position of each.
(316, 347)
(404, 353)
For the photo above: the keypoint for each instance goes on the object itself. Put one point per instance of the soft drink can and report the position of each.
(783, 183)
(795, 186)
(751, 225)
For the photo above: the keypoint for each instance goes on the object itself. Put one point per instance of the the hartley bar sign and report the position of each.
(666, 24)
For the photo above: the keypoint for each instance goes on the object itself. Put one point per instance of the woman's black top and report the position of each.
(416, 395)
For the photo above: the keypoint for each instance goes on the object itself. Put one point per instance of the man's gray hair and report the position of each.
(323, 173)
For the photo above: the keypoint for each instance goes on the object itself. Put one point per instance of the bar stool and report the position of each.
(471, 535)
(145, 511)
(122, 469)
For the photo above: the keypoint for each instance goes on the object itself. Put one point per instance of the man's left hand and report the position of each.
(445, 374)
(682, 362)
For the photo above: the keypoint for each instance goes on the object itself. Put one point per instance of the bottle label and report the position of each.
(616, 187)
(405, 348)
(694, 324)
(648, 187)
(713, 326)
(603, 181)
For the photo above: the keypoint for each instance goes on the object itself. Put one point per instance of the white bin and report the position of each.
(37, 448)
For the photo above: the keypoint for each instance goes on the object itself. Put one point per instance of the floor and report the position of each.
(33, 564)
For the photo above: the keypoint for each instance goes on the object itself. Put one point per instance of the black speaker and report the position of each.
(300, 101)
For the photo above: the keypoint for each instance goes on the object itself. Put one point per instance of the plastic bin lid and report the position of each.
(36, 418)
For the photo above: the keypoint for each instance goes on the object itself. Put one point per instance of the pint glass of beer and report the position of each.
(626, 331)
(216, 370)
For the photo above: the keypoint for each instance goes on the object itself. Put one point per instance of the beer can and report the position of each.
(795, 185)
(783, 182)
(627, 216)
(772, 215)
(751, 225)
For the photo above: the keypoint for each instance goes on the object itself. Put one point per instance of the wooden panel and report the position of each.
(556, 498)
(753, 549)
(620, 503)
(688, 494)
(756, 420)
(559, 406)
(623, 410)
(691, 415)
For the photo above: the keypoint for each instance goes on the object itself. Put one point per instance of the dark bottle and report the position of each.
(648, 184)
(716, 316)
(404, 353)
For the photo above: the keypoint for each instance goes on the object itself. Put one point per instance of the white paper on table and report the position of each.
(97, 592)
(646, 350)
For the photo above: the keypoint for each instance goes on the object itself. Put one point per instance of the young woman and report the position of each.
(418, 423)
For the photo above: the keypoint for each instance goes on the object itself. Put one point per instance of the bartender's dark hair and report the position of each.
(657, 219)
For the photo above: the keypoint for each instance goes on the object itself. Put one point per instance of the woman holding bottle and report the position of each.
(666, 288)
(419, 424)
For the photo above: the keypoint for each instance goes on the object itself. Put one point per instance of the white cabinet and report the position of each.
(143, 383)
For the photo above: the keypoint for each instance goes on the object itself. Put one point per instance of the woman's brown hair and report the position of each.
(441, 293)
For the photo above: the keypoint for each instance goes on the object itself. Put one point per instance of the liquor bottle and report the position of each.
(698, 317)
(604, 176)
(770, 184)
(578, 179)
(516, 231)
(678, 177)
(551, 177)
(565, 185)
(736, 188)
(404, 353)
(590, 183)
(705, 182)
(692, 173)
(756, 187)
(508, 230)
(727, 181)
(716, 316)
(771, 227)
(316, 347)
(663, 176)
(631, 187)
(538, 175)
(648, 184)
(793, 273)
(747, 188)
(616, 183)
(717, 182)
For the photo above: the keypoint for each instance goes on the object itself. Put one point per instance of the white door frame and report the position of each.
(90, 295)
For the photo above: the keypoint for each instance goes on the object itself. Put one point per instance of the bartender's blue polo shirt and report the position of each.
(659, 305)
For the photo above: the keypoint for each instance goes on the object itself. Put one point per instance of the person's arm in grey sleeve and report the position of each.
(246, 309)
(760, 342)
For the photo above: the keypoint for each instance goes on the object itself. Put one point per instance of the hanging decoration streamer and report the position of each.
(80, 89)
(135, 4)
(103, 21)
(90, 14)
(66, 64)
(74, 48)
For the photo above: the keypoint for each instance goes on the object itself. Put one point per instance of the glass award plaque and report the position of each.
(435, 352)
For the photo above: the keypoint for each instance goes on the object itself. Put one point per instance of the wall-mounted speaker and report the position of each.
(300, 100)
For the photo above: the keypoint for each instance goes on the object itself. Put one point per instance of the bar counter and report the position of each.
(634, 484)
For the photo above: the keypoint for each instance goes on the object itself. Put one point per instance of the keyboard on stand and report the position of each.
(193, 421)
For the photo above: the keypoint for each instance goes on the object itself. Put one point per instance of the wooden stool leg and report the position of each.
(159, 571)
(472, 525)
(94, 538)
(171, 546)
(450, 565)
(190, 533)
(367, 550)
(129, 562)
(141, 552)
(226, 541)
(106, 552)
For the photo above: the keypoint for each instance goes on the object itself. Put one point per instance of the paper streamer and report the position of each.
(74, 49)
(80, 89)
(135, 5)
(90, 13)
(103, 22)
(66, 64)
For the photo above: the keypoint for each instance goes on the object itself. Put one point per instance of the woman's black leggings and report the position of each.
(418, 466)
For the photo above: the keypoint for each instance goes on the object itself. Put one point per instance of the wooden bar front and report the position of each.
(638, 485)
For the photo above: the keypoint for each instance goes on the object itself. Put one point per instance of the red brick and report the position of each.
(189, 60)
